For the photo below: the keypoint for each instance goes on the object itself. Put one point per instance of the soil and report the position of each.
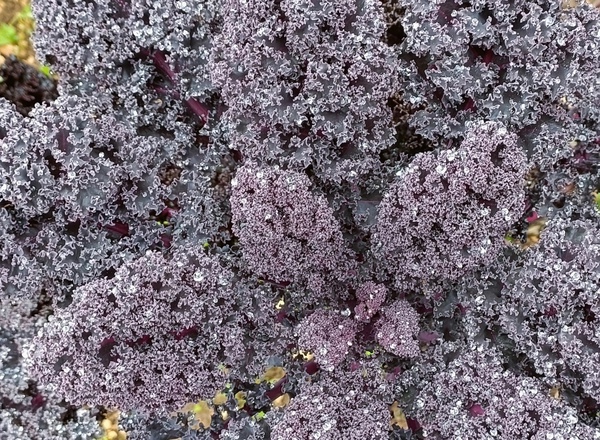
(25, 85)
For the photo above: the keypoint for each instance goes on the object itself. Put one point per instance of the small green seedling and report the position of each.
(259, 416)
(8, 34)
(46, 71)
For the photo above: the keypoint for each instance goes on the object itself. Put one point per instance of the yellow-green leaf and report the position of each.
(259, 415)
(46, 71)
(25, 14)
(8, 34)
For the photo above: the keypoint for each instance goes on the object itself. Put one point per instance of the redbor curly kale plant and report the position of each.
(293, 220)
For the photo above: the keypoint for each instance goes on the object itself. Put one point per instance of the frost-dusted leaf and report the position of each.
(328, 335)
(288, 233)
(448, 213)
(155, 338)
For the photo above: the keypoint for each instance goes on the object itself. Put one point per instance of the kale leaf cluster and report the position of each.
(304, 220)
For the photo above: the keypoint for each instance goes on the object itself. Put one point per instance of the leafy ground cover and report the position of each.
(300, 220)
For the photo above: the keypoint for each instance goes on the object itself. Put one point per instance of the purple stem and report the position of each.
(161, 64)
(198, 109)
(118, 228)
